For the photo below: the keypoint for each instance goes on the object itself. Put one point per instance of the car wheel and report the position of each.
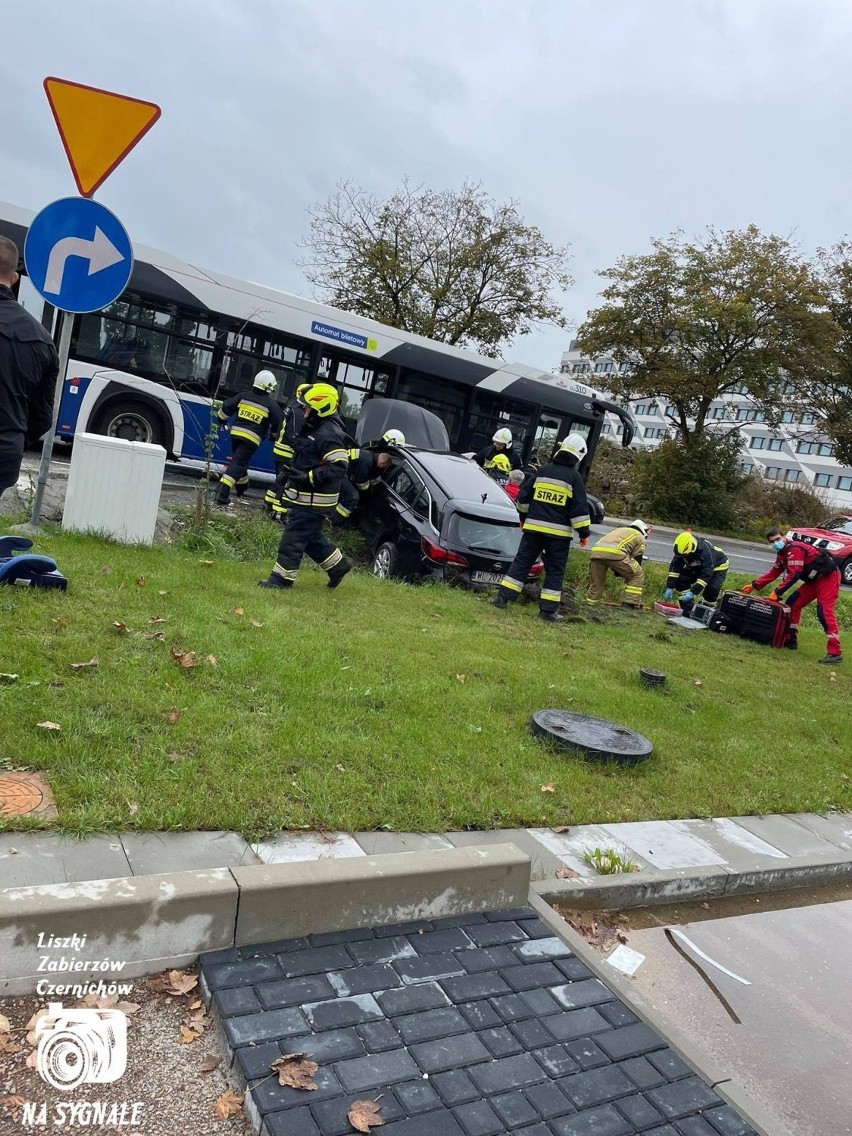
(131, 421)
(846, 572)
(385, 561)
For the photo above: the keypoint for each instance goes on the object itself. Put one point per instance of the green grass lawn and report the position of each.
(381, 705)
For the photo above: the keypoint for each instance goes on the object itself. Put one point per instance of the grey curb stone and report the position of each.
(146, 922)
(714, 1074)
(652, 886)
(288, 900)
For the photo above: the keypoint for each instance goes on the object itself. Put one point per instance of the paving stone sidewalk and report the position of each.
(472, 1026)
(739, 844)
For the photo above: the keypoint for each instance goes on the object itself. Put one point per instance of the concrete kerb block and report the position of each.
(142, 923)
(636, 889)
(770, 874)
(280, 901)
(708, 1068)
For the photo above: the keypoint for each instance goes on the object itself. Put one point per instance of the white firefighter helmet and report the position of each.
(640, 525)
(503, 435)
(394, 437)
(265, 381)
(574, 444)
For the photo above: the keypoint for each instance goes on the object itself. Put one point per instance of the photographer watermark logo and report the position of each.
(80, 1046)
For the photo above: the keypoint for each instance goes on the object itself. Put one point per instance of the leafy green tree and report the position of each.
(696, 319)
(828, 392)
(695, 485)
(456, 266)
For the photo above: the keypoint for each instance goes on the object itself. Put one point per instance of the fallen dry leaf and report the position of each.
(80, 666)
(9, 1046)
(128, 1007)
(60, 622)
(5, 1024)
(461, 678)
(49, 726)
(175, 983)
(185, 658)
(13, 1103)
(567, 874)
(32, 1059)
(133, 808)
(255, 623)
(211, 659)
(561, 828)
(100, 1001)
(364, 1115)
(549, 788)
(844, 776)
(162, 592)
(697, 682)
(160, 635)
(196, 1005)
(140, 581)
(228, 1105)
(119, 626)
(340, 768)
(156, 619)
(187, 1036)
(295, 1070)
(206, 563)
(174, 715)
(239, 611)
(209, 1064)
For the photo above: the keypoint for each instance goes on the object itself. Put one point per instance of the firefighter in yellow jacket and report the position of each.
(255, 415)
(621, 552)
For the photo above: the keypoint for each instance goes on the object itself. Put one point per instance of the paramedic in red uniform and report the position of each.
(815, 576)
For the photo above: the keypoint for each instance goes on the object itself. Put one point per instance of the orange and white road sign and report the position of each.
(98, 128)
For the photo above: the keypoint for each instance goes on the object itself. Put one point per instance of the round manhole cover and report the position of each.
(25, 794)
(595, 738)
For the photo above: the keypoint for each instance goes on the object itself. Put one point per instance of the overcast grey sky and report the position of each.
(610, 120)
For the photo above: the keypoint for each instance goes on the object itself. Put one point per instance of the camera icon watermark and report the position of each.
(80, 1046)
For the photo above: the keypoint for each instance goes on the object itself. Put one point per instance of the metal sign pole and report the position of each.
(66, 322)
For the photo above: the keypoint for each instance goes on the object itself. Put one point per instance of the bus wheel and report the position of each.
(131, 421)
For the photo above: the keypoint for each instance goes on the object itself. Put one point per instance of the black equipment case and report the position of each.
(751, 617)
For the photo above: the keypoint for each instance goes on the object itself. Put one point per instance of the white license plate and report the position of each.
(486, 577)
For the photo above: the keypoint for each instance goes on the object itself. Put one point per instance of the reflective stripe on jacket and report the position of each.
(623, 543)
(699, 566)
(553, 501)
(255, 415)
(320, 452)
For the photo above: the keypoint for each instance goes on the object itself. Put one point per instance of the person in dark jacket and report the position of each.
(814, 576)
(553, 507)
(364, 473)
(256, 414)
(320, 462)
(29, 366)
(501, 443)
(697, 569)
(282, 449)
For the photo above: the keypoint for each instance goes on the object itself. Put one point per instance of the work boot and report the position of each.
(500, 601)
(831, 660)
(551, 617)
(275, 581)
(336, 574)
(792, 643)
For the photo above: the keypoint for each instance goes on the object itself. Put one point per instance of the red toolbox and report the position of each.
(752, 617)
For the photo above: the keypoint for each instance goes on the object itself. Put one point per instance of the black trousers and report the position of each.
(303, 533)
(11, 456)
(236, 471)
(710, 593)
(554, 550)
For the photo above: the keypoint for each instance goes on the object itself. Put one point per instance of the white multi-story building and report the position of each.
(795, 452)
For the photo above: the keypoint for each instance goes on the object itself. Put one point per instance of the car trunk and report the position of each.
(485, 535)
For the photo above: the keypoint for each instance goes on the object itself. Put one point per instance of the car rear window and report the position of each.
(484, 536)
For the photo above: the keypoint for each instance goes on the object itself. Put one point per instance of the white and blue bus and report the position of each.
(149, 367)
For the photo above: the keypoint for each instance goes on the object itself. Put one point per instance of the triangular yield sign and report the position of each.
(98, 128)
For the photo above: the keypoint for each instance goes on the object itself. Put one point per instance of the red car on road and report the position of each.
(835, 535)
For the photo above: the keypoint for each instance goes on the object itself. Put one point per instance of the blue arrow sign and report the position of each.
(78, 255)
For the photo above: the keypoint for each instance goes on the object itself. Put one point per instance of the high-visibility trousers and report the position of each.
(554, 551)
(625, 567)
(303, 533)
(236, 472)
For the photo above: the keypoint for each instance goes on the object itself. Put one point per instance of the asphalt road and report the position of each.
(787, 1037)
(752, 561)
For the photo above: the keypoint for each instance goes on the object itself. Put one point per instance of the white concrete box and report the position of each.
(114, 488)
